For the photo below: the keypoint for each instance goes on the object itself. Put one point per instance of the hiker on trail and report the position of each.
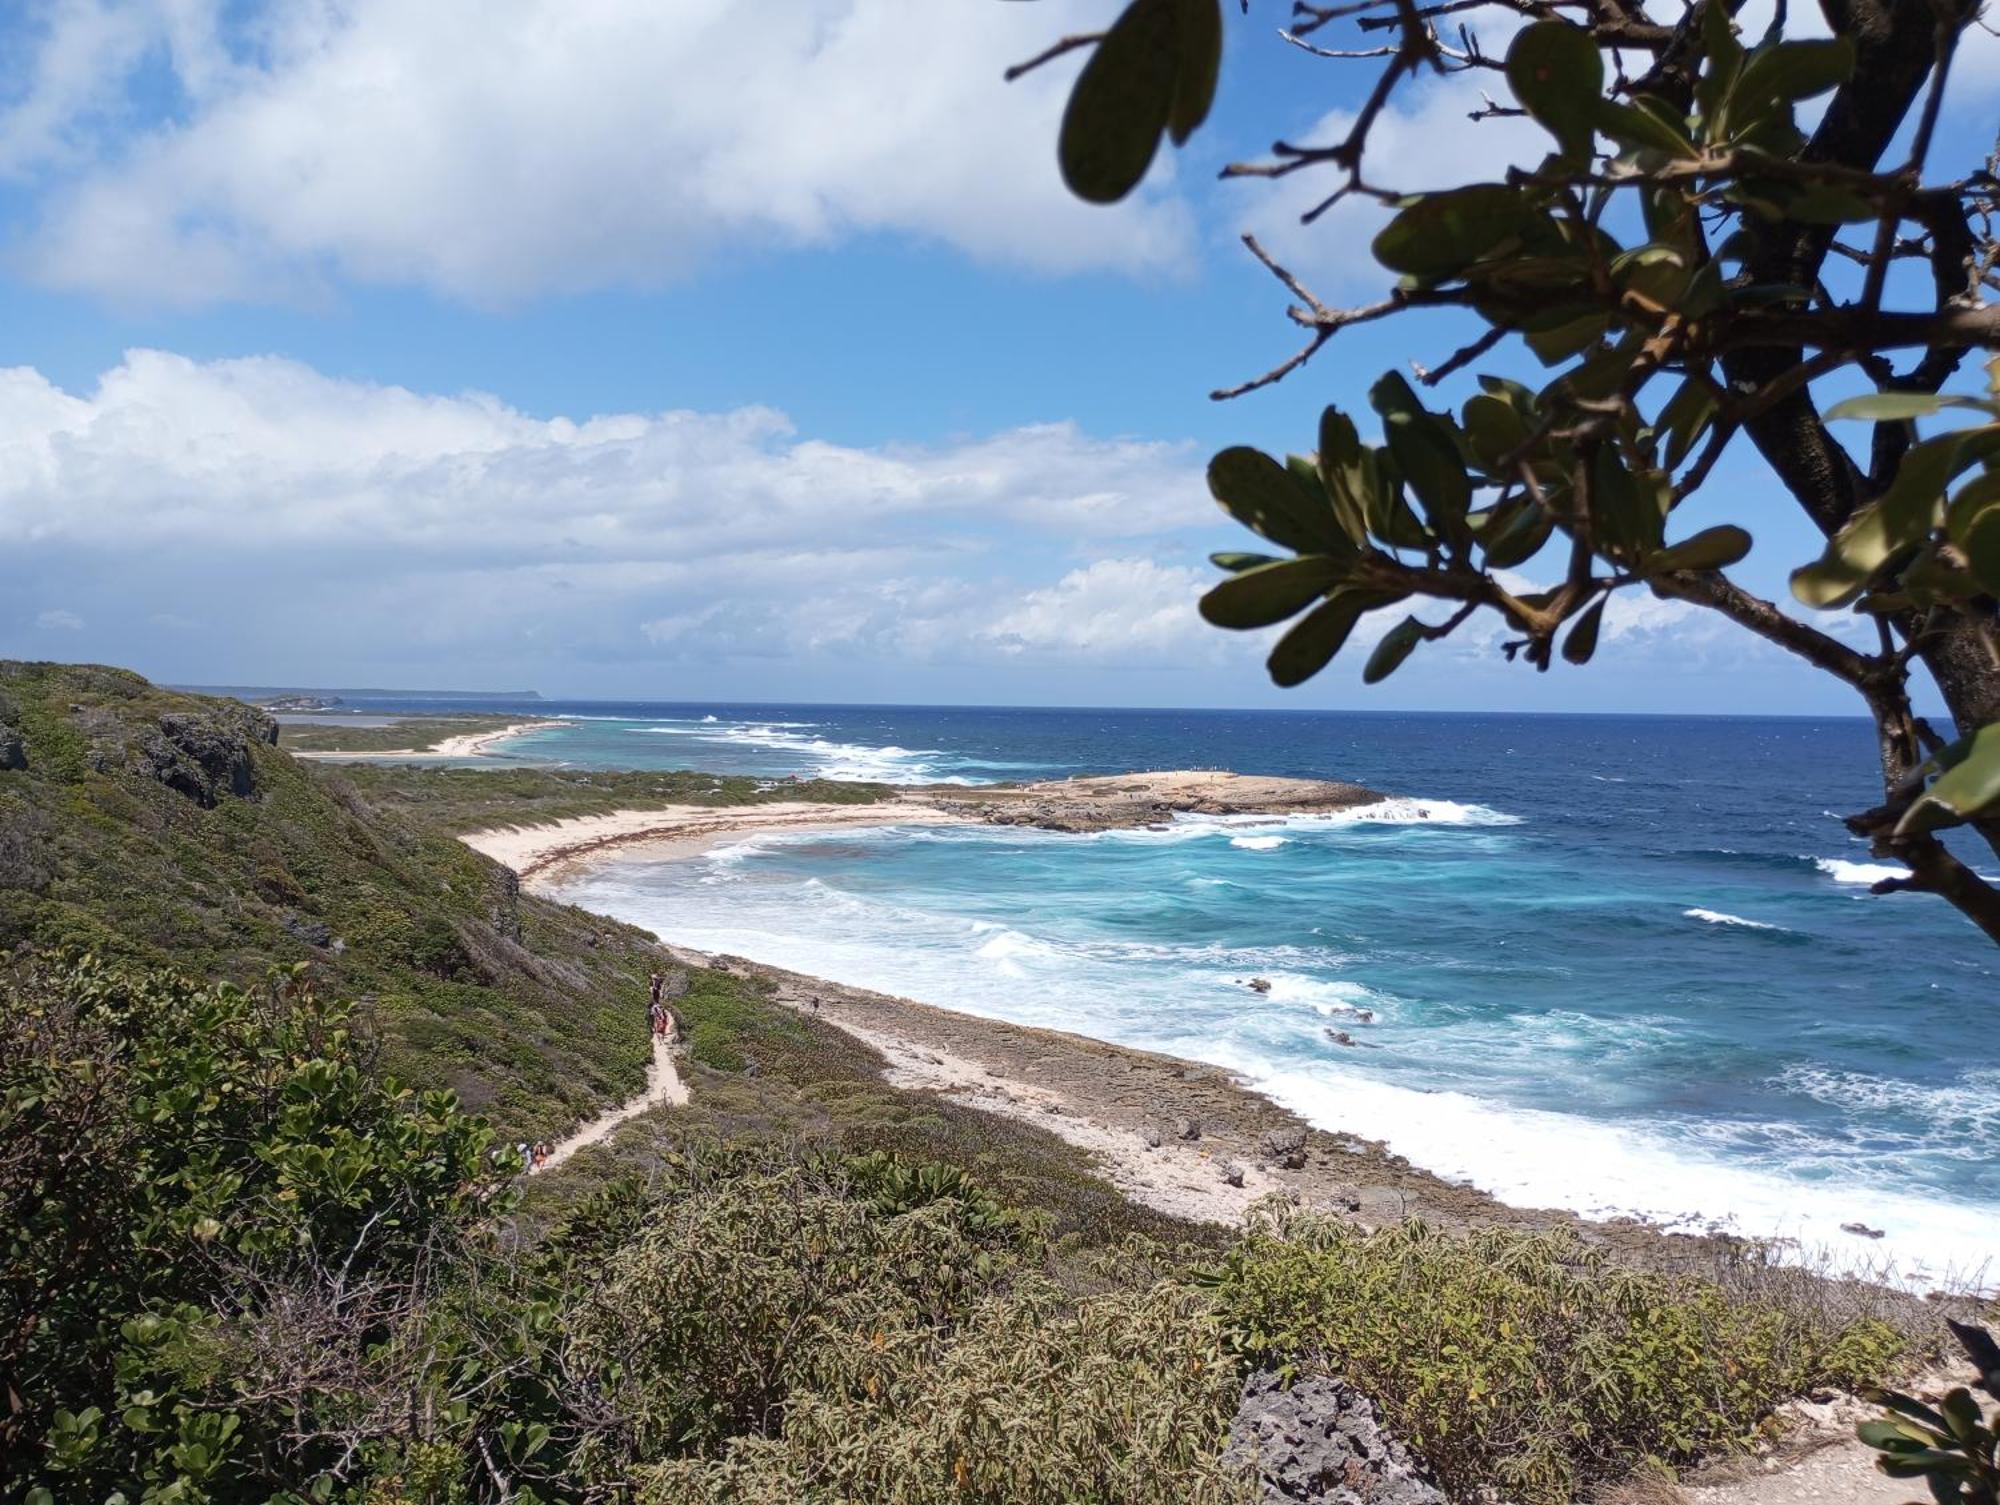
(541, 1153)
(657, 1014)
(659, 983)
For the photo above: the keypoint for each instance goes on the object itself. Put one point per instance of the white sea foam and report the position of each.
(1257, 843)
(1534, 1158)
(857, 762)
(1717, 917)
(1034, 967)
(1840, 870)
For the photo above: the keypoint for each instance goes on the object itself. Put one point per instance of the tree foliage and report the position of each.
(1717, 238)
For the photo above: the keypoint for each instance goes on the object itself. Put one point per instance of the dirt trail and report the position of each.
(663, 1086)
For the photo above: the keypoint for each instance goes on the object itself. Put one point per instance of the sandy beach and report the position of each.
(1184, 1138)
(470, 745)
(545, 853)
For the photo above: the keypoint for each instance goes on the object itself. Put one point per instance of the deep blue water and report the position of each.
(1622, 964)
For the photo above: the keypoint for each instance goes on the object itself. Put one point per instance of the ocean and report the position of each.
(1625, 965)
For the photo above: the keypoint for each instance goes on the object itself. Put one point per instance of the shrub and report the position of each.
(1526, 1360)
(172, 1154)
(1120, 1399)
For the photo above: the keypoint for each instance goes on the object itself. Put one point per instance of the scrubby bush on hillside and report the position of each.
(180, 1162)
(1529, 1361)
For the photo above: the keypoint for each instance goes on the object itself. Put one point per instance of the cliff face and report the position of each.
(170, 828)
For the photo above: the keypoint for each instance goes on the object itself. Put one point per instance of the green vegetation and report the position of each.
(1951, 1446)
(245, 1264)
(473, 799)
(1699, 265)
(1526, 1361)
(167, 829)
(405, 734)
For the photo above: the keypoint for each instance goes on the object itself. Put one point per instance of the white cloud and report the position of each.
(1126, 611)
(58, 619)
(261, 496)
(494, 149)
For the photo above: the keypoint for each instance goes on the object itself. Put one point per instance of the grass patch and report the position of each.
(471, 799)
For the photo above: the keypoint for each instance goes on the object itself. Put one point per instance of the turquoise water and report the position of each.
(1624, 965)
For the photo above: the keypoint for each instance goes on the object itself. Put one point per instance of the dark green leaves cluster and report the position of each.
(1950, 1446)
(1351, 513)
(173, 1149)
(1153, 73)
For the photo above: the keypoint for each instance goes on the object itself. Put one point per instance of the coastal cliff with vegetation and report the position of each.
(270, 1033)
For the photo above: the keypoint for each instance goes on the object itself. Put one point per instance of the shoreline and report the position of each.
(542, 853)
(1122, 1103)
(1184, 1137)
(1110, 802)
(467, 745)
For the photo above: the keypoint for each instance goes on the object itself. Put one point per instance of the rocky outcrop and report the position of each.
(1132, 800)
(205, 755)
(1321, 1442)
(1284, 1148)
(13, 750)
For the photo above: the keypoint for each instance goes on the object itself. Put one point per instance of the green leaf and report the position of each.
(1320, 634)
(1200, 67)
(1887, 407)
(1582, 639)
(1982, 550)
(1962, 1418)
(1565, 340)
(1628, 514)
(1397, 644)
(1426, 451)
(1969, 785)
(1777, 75)
(1724, 56)
(1236, 562)
(1262, 495)
(1518, 535)
(1390, 517)
(1111, 127)
(1653, 128)
(1557, 73)
(1711, 549)
(1346, 472)
(1272, 592)
(1895, 521)
(1495, 428)
(1888, 1435)
(1439, 235)
(1686, 417)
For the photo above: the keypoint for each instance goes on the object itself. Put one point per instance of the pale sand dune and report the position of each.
(539, 852)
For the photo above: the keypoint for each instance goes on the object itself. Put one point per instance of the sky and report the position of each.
(703, 351)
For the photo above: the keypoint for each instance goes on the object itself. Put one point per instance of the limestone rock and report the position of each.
(1187, 1128)
(1284, 1148)
(1322, 1443)
(204, 755)
(1231, 1173)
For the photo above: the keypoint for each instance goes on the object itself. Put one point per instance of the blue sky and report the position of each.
(628, 349)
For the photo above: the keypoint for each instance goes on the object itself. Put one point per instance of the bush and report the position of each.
(183, 1165)
(1120, 1399)
(1527, 1361)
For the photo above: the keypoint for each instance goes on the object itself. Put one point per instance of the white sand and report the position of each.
(538, 852)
